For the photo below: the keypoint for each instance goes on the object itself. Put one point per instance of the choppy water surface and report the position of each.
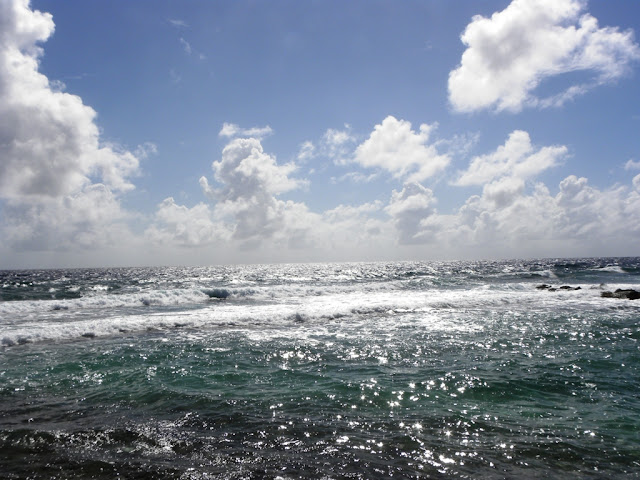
(413, 370)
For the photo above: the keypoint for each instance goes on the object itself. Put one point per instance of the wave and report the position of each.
(442, 308)
(612, 269)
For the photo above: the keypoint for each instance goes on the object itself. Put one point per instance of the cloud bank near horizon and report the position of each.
(62, 188)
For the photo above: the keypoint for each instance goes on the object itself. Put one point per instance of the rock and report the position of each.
(220, 293)
(550, 288)
(622, 293)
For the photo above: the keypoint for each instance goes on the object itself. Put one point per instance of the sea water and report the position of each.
(363, 370)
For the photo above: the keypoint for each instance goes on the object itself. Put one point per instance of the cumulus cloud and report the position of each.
(231, 130)
(49, 142)
(517, 158)
(89, 219)
(338, 145)
(632, 165)
(355, 229)
(59, 181)
(408, 209)
(393, 146)
(250, 181)
(246, 214)
(507, 220)
(514, 216)
(335, 144)
(511, 53)
(307, 151)
(246, 169)
(188, 227)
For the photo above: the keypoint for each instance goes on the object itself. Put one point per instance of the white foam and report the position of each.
(440, 309)
(612, 268)
(263, 302)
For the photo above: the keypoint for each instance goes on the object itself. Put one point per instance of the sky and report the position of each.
(160, 132)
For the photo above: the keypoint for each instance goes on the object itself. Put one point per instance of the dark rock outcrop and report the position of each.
(622, 293)
(550, 288)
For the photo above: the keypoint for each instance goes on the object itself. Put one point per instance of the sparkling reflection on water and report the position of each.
(375, 373)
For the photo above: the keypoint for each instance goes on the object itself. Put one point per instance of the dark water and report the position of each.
(410, 370)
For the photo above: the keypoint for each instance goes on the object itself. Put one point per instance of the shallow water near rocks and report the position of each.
(411, 370)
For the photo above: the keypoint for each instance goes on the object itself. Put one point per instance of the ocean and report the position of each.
(329, 371)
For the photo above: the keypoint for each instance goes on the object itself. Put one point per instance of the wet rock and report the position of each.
(550, 288)
(622, 293)
(220, 293)
(298, 318)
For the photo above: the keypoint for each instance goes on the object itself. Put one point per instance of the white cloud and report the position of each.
(307, 151)
(354, 230)
(146, 150)
(395, 147)
(517, 158)
(186, 46)
(89, 219)
(246, 216)
(49, 141)
(355, 177)
(503, 192)
(232, 130)
(509, 54)
(251, 180)
(512, 218)
(342, 212)
(246, 169)
(508, 221)
(176, 22)
(59, 181)
(338, 145)
(408, 208)
(631, 165)
(189, 227)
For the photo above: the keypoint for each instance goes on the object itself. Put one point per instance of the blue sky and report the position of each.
(162, 132)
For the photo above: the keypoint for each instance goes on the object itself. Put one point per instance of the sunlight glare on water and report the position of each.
(321, 371)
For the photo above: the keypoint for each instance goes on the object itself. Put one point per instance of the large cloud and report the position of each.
(246, 208)
(514, 217)
(516, 158)
(395, 147)
(90, 219)
(246, 213)
(509, 54)
(408, 208)
(59, 181)
(187, 227)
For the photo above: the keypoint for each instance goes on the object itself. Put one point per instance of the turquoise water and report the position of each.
(410, 370)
